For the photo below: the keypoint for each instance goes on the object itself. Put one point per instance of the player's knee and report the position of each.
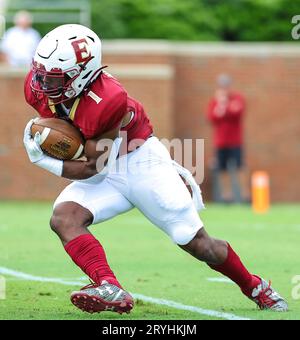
(68, 216)
(57, 222)
(182, 234)
(204, 252)
(201, 246)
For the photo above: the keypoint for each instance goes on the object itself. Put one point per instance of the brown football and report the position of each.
(59, 139)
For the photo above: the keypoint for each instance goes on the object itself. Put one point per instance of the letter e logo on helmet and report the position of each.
(81, 50)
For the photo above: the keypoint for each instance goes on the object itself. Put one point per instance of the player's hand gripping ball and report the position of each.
(58, 138)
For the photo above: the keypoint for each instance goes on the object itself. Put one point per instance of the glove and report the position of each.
(36, 154)
(32, 145)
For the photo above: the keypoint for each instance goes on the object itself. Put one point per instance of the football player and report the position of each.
(67, 81)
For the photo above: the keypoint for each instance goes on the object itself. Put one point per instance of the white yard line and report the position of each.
(193, 309)
(168, 303)
(28, 277)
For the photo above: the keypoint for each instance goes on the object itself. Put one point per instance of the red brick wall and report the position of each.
(271, 86)
(19, 179)
(175, 82)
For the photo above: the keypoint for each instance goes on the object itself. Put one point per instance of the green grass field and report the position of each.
(147, 262)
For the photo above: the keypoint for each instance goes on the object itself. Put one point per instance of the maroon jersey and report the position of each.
(228, 132)
(99, 109)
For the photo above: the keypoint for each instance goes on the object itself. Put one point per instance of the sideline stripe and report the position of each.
(219, 279)
(194, 309)
(168, 303)
(28, 277)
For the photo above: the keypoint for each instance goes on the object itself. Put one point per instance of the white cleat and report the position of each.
(95, 298)
(267, 298)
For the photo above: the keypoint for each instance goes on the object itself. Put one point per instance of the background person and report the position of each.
(225, 112)
(20, 42)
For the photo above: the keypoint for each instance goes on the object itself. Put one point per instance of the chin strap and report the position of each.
(94, 76)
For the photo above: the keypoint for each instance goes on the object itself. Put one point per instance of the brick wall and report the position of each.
(175, 81)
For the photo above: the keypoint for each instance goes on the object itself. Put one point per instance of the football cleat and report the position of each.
(106, 297)
(267, 298)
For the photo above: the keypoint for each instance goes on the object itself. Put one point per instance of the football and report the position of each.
(59, 138)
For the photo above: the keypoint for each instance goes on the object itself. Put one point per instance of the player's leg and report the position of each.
(70, 220)
(164, 199)
(242, 173)
(162, 196)
(220, 256)
(224, 175)
(78, 206)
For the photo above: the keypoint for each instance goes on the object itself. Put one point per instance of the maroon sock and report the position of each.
(236, 271)
(89, 255)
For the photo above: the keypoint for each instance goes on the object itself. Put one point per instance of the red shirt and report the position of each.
(227, 127)
(99, 109)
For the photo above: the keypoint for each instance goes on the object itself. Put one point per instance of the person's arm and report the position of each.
(236, 107)
(74, 170)
(216, 111)
(100, 150)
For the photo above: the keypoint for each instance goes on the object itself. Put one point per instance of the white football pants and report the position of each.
(149, 180)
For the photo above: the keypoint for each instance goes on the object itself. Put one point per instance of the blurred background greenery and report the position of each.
(192, 20)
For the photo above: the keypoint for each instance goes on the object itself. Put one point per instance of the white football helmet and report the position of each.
(66, 61)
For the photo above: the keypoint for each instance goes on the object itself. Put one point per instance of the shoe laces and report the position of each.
(90, 285)
(93, 284)
(263, 298)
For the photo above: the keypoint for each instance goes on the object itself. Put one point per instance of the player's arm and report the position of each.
(76, 170)
(102, 149)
